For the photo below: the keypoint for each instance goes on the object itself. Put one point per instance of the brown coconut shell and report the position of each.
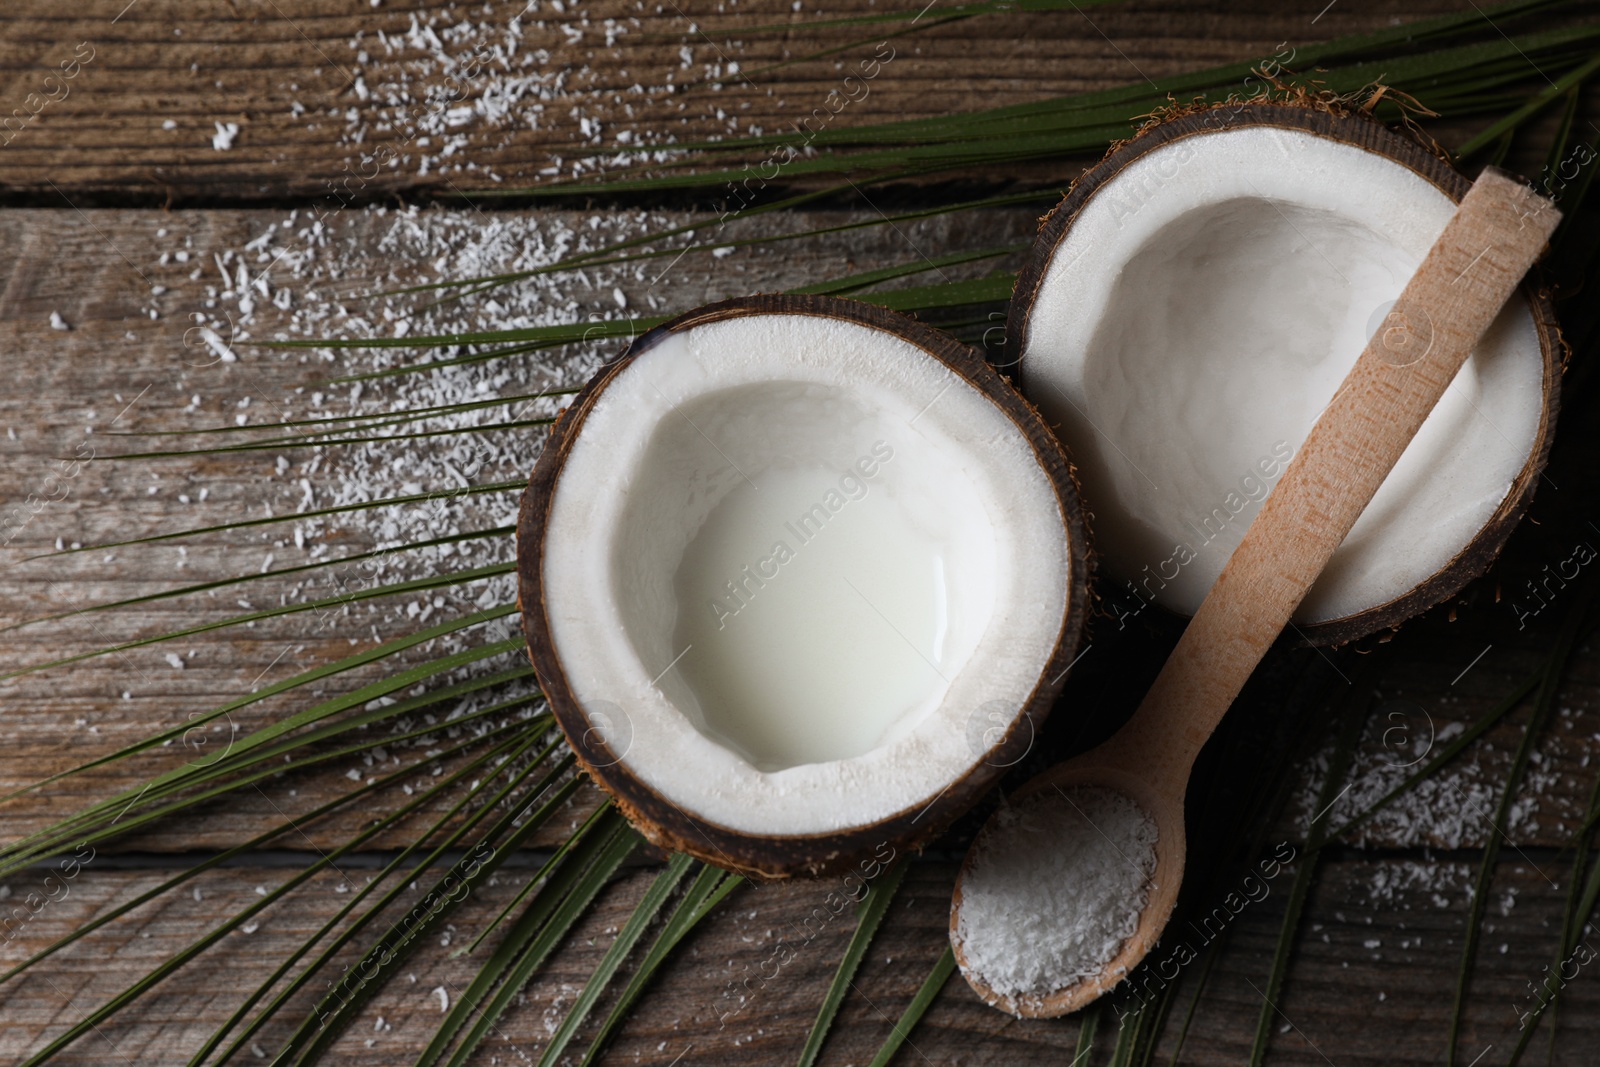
(1323, 118)
(667, 822)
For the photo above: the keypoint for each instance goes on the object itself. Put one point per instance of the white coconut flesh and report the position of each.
(790, 561)
(1200, 312)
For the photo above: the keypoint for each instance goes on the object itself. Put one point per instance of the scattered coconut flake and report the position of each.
(306, 258)
(1452, 808)
(449, 91)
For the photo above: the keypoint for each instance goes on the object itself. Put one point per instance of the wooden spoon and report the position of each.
(1495, 235)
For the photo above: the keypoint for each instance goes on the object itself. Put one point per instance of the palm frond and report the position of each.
(514, 748)
(560, 902)
(1543, 705)
(1355, 723)
(709, 888)
(103, 817)
(323, 604)
(649, 907)
(143, 985)
(268, 575)
(901, 1033)
(437, 496)
(869, 915)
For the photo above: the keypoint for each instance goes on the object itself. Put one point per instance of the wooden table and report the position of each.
(186, 165)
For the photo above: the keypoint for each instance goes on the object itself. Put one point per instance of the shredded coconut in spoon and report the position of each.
(1054, 889)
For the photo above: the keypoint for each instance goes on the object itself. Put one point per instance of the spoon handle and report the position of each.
(1472, 269)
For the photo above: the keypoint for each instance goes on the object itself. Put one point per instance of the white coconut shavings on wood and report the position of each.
(302, 275)
(1052, 897)
(449, 92)
(303, 279)
(1456, 806)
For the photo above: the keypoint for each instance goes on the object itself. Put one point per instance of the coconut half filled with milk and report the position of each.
(1193, 304)
(800, 577)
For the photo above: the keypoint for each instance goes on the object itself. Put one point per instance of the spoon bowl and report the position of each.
(1162, 808)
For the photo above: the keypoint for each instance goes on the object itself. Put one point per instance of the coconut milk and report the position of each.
(813, 614)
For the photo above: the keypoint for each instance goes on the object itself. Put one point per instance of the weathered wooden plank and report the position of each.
(1382, 937)
(240, 102)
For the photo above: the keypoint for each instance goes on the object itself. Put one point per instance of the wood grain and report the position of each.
(1371, 947)
(311, 86)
